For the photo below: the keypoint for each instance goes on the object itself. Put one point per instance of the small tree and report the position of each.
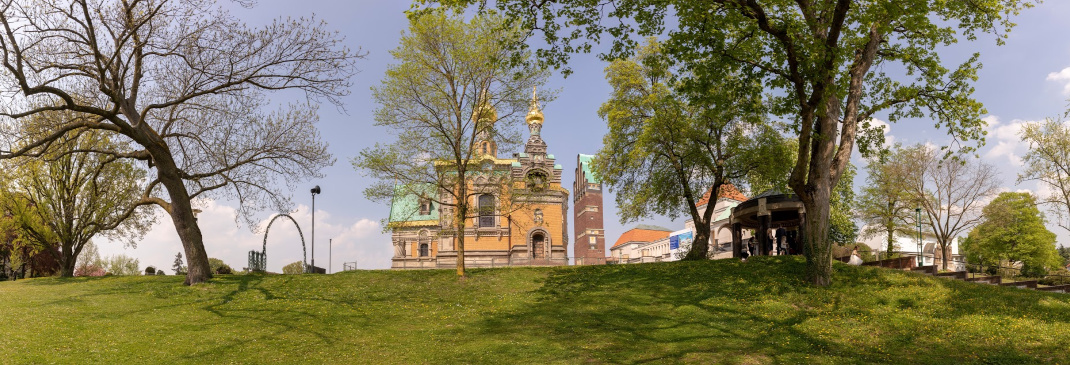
(294, 268)
(452, 87)
(885, 205)
(150, 270)
(1013, 231)
(178, 268)
(122, 265)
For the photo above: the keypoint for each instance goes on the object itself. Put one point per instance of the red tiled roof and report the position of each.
(641, 235)
(727, 191)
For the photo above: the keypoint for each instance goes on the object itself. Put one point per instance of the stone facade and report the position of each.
(590, 245)
(519, 213)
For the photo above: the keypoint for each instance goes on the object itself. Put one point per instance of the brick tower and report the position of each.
(590, 245)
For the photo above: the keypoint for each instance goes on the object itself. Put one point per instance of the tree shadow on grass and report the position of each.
(756, 312)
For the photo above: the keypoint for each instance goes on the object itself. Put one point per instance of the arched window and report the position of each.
(425, 244)
(486, 210)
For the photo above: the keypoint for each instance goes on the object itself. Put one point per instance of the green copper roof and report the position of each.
(558, 167)
(585, 164)
(406, 204)
(550, 157)
(726, 213)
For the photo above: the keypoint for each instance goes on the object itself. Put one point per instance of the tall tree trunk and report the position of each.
(943, 252)
(459, 218)
(197, 270)
(891, 239)
(700, 247)
(66, 260)
(818, 247)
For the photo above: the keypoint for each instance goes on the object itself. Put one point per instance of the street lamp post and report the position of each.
(315, 190)
(921, 255)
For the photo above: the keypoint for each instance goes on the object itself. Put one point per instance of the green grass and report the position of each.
(686, 312)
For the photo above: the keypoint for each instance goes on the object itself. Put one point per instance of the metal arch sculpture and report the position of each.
(304, 258)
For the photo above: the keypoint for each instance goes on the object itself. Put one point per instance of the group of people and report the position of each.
(783, 242)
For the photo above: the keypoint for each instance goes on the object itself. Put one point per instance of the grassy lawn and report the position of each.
(686, 312)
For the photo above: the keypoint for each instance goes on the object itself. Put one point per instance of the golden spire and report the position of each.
(534, 114)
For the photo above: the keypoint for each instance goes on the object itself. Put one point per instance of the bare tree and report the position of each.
(1048, 162)
(185, 82)
(951, 191)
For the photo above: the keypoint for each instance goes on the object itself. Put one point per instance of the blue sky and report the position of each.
(1027, 79)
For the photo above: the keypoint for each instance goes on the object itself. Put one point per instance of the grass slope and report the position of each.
(688, 312)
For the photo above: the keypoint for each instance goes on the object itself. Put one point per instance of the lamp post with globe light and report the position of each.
(315, 190)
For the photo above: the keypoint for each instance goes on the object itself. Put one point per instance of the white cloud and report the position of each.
(1004, 141)
(354, 239)
(1063, 77)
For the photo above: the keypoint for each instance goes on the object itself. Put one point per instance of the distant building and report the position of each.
(525, 228)
(908, 245)
(644, 243)
(720, 227)
(589, 248)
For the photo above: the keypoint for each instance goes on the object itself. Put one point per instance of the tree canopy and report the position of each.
(827, 66)
(1013, 231)
(1048, 162)
(68, 195)
(886, 205)
(666, 148)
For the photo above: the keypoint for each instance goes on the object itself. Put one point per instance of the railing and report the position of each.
(975, 270)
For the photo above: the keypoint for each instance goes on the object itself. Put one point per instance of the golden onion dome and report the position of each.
(534, 114)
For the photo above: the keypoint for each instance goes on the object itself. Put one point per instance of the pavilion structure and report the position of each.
(764, 213)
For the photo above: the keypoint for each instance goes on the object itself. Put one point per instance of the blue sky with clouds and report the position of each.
(1027, 79)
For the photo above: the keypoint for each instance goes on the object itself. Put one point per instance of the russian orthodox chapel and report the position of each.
(518, 213)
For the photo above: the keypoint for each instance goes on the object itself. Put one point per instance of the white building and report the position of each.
(720, 227)
(644, 243)
(908, 245)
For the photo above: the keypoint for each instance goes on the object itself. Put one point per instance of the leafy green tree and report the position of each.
(885, 206)
(68, 194)
(122, 265)
(188, 87)
(294, 268)
(1048, 162)
(218, 266)
(665, 149)
(828, 66)
(1013, 231)
(842, 227)
(451, 88)
(1064, 252)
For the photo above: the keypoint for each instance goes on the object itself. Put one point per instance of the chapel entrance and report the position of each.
(538, 245)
